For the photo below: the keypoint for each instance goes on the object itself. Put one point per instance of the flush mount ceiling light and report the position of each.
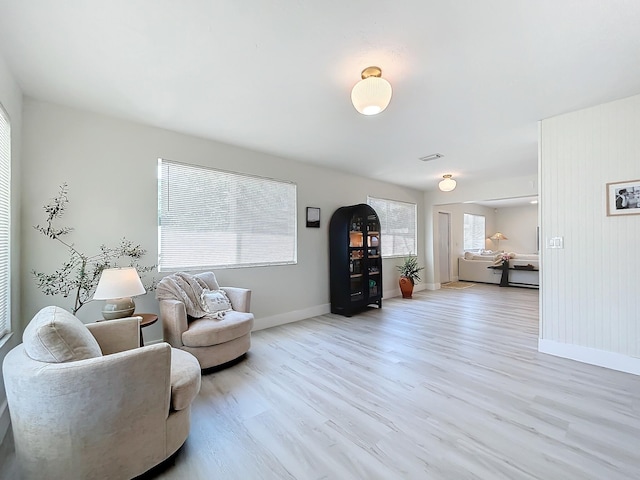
(372, 94)
(447, 184)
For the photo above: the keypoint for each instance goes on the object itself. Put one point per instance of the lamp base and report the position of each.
(118, 308)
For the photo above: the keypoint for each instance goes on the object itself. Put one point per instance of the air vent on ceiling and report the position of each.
(433, 156)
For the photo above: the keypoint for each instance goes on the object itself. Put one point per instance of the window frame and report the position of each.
(464, 232)
(383, 227)
(229, 228)
(5, 217)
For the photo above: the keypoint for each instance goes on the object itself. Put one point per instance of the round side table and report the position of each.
(147, 319)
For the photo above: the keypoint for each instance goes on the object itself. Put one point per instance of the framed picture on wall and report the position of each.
(313, 217)
(623, 198)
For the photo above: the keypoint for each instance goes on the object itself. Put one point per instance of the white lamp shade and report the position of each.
(119, 283)
(498, 236)
(447, 184)
(371, 95)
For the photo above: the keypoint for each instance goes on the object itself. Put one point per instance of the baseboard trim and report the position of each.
(297, 315)
(290, 317)
(395, 292)
(592, 356)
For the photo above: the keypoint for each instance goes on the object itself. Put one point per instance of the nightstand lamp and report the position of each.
(117, 286)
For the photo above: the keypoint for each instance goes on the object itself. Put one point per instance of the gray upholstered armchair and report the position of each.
(87, 402)
(212, 340)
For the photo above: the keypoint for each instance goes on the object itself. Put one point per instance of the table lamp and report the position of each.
(498, 236)
(117, 286)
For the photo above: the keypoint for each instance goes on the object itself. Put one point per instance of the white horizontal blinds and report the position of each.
(474, 232)
(211, 218)
(5, 223)
(398, 225)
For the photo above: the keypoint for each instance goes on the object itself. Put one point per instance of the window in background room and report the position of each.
(398, 225)
(474, 232)
(211, 218)
(5, 223)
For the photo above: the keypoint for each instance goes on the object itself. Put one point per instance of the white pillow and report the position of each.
(56, 336)
(468, 255)
(216, 303)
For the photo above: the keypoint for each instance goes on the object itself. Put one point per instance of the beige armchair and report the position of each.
(213, 341)
(87, 402)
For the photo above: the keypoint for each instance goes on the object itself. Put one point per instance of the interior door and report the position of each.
(444, 246)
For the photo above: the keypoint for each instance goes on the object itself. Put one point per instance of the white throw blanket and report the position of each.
(186, 288)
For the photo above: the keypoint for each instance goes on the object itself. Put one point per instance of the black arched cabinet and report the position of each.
(355, 261)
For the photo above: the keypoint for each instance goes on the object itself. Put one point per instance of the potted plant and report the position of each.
(409, 275)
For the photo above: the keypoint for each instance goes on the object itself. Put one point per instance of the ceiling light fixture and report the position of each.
(447, 184)
(372, 94)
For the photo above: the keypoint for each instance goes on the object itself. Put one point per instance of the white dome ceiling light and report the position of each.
(372, 94)
(447, 184)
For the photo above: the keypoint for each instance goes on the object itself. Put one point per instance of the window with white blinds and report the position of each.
(398, 225)
(474, 232)
(5, 223)
(215, 219)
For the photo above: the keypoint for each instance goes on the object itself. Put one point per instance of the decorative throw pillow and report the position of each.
(216, 303)
(207, 280)
(55, 336)
(468, 255)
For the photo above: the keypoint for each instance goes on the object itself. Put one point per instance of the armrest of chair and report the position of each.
(240, 298)
(118, 335)
(174, 321)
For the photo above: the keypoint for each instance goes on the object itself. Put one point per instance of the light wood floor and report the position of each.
(448, 385)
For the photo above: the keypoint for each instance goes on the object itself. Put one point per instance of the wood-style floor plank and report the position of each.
(448, 385)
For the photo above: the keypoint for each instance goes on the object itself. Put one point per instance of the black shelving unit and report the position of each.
(355, 261)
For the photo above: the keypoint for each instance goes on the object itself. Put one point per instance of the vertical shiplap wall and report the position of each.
(590, 289)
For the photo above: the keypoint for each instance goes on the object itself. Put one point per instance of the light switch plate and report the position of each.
(555, 242)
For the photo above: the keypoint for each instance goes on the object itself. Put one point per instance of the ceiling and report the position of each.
(508, 202)
(470, 79)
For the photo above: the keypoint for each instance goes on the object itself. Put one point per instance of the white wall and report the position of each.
(110, 166)
(465, 192)
(11, 99)
(456, 213)
(519, 224)
(589, 289)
